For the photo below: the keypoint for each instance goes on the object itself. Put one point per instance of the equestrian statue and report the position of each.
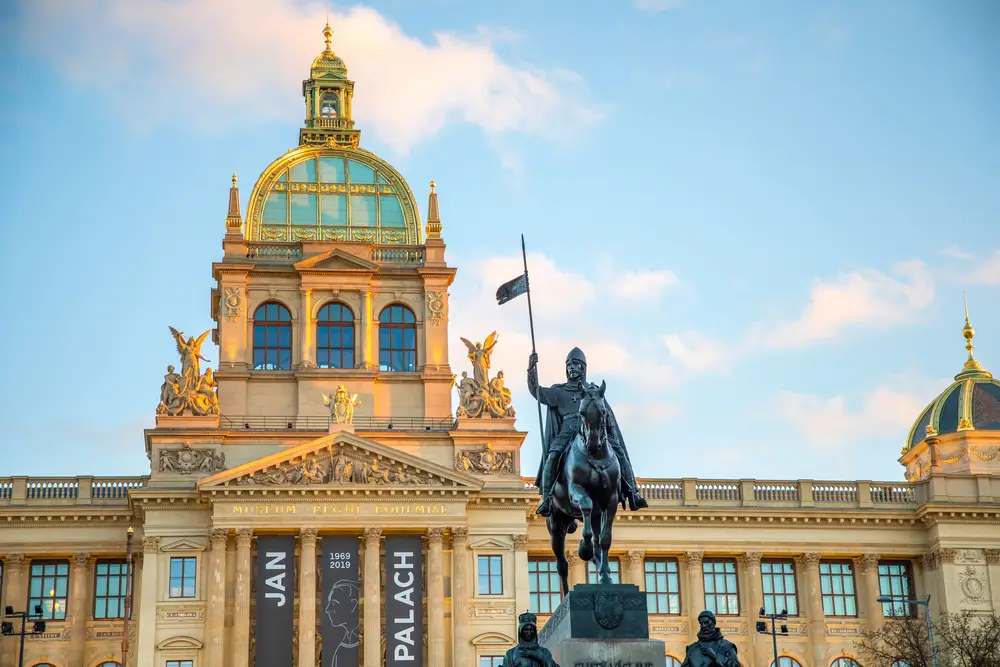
(585, 470)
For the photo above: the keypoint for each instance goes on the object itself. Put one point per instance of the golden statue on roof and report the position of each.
(191, 390)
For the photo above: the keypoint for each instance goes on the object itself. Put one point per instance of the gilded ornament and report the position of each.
(186, 460)
(478, 395)
(435, 307)
(341, 405)
(231, 302)
(191, 390)
(485, 462)
(984, 455)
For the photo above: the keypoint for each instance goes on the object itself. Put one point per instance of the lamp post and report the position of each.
(927, 611)
(7, 627)
(782, 632)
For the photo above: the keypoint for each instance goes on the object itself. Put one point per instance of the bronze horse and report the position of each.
(587, 489)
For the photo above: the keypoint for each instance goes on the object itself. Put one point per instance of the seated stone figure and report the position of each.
(528, 652)
(711, 650)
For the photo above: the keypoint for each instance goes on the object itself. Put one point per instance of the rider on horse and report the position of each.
(563, 401)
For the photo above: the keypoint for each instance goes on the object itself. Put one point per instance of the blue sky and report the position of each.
(757, 218)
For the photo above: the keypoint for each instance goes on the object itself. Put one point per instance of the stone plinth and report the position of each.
(602, 625)
(337, 427)
(187, 421)
(484, 424)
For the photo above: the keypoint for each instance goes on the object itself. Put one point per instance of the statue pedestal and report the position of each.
(336, 427)
(187, 421)
(602, 625)
(485, 424)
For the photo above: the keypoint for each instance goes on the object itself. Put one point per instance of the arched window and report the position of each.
(335, 337)
(110, 663)
(785, 661)
(44, 664)
(272, 338)
(397, 339)
(844, 662)
(901, 663)
(673, 662)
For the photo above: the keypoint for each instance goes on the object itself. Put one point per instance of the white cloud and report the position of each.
(657, 6)
(833, 421)
(645, 284)
(988, 272)
(230, 62)
(861, 298)
(695, 353)
(954, 252)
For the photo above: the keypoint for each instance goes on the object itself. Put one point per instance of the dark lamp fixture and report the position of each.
(784, 629)
(762, 612)
(38, 627)
(8, 610)
(761, 626)
(7, 628)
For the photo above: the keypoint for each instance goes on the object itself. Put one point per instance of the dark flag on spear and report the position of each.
(511, 290)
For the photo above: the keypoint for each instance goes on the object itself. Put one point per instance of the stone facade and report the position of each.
(272, 462)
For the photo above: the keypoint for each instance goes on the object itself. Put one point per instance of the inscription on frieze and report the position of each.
(360, 509)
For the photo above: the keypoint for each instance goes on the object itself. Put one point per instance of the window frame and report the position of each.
(54, 598)
(908, 585)
(715, 594)
(795, 583)
(493, 661)
(833, 596)
(341, 325)
(266, 323)
(655, 594)
(550, 572)
(123, 580)
(183, 662)
(844, 661)
(403, 326)
(614, 563)
(491, 575)
(183, 578)
(786, 661)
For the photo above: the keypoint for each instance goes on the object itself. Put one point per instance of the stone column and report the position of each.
(577, 569)
(307, 597)
(372, 608)
(762, 649)
(215, 617)
(635, 573)
(365, 321)
(696, 588)
(993, 572)
(460, 576)
(522, 596)
(15, 566)
(868, 566)
(149, 594)
(814, 606)
(307, 333)
(78, 607)
(435, 597)
(239, 651)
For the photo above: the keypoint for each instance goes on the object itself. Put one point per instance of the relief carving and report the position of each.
(342, 468)
(435, 307)
(186, 460)
(969, 556)
(231, 302)
(972, 581)
(485, 462)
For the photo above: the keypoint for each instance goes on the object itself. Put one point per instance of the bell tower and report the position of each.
(328, 95)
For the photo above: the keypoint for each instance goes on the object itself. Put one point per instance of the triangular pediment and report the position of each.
(490, 544)
(336, 260)
(182, 545)
(341, 460)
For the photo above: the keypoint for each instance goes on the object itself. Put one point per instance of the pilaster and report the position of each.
(522, 597)
(307, 597)
(634, 562)
(215, 615)
(460, 596)
(78, 606)
(15, 567)
(754, 601)
(372, 625)
(435, 597)
(696, 588)
(239, 652)
(993, 570)
(814, 603)
(366, 323)
(577, 568)
(307, 331)
(868, 565)
(146, 648)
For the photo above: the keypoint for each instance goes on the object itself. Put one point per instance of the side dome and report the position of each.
(970, 403)
(332, 193)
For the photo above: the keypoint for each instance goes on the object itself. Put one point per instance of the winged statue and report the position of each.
(479, 355)
(190, 351)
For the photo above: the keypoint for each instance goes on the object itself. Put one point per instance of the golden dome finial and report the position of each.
(327, 34)
(432, 185)
(234, 179)
(969, 333)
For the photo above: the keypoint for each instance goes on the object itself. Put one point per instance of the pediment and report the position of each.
(336, 260)
(490, 543)
(179, 643)
(182, 545)
(493, 639)
(342, 460)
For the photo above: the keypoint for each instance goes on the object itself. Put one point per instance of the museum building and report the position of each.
(320, 499)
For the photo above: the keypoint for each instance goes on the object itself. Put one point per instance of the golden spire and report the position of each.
(433, 215)
(327, 34)
(972, 367)
(234, 221)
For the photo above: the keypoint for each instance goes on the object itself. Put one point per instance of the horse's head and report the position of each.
(593, 414)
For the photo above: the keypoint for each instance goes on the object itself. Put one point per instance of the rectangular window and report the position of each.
(363, 211)
(544, 591)
(491, 661)
(303, 172)
(663, 589)
(48, 588)
(390, 212)
(275, 209)
(592, 577)
(180, 663)
(182, 577)
(304, 210)
(490, 575)
(836, 583)
(778, 584)
(333, 210)
(110, 578)
(721, 590)
(895, 580)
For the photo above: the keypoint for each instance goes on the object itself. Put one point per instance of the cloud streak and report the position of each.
(230, 62)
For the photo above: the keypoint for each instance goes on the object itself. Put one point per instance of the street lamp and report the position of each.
(782, 632)
(927, 610)
(7, 628)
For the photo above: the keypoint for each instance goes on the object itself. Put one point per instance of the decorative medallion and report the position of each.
(231, 302)
(435, 307)
(609, 610)
(972, 585)
(485, 462)
(187, 460)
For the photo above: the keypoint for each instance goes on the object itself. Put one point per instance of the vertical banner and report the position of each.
(275, 600)
(340, 603)
(404, 623)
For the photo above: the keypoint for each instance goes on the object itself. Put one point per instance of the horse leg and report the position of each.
(607, 522)
(600, 557)
(557, 533)
(579, 498)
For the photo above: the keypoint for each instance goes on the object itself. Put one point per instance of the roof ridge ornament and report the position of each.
(972, 368)
(234, 221)
(433, 214)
